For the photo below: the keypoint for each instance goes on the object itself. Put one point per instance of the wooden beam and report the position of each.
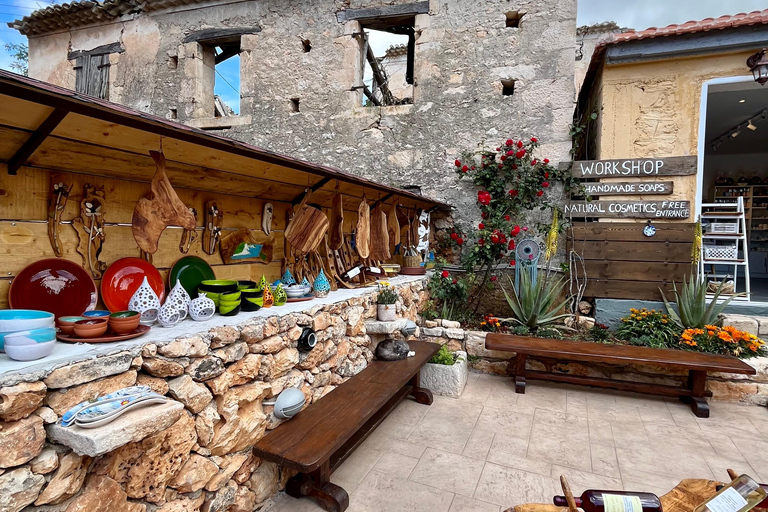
(34, 141)
(219, 36)
(104, 49)
(388, 11)
(317, 186)
(379, 77)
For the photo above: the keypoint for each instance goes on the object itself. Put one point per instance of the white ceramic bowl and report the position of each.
(29, 352)
(13, 320)
(296, 291)
(45, 335)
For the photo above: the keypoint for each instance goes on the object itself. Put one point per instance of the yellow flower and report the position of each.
(482, 323)
(633, 310)
(664, 321)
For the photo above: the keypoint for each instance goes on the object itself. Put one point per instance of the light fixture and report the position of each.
(742, 101)
(751, 126)
(736, 133)
(758, 65)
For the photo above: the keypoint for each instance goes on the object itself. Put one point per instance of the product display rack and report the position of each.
(717, 245)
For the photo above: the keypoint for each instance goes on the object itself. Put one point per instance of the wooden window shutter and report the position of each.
(92, 75)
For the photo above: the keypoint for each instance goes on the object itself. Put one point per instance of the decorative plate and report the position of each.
(54, 285)
(123, 278)
(190, 271)
(140, 331)
(649, 230)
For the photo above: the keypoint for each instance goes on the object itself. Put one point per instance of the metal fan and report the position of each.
(527, 256)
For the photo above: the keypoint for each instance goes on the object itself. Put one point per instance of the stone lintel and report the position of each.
(411, 9)
(377, 327)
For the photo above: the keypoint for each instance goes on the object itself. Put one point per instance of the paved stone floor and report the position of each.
(492, 448)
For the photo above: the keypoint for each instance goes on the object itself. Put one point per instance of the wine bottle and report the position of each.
(353, 272)
(740, 495)
(614, 501)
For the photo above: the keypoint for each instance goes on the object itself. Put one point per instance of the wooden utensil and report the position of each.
(159, 209)
(307, 228)
(337, 222)
(90, 230)
(57, 201)
(393, 227)
(379, 236)
(213, 219)
(363, 231)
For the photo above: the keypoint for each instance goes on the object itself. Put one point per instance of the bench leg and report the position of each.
(317, 485)
(697, 383)
(420, 394)
(520, 373)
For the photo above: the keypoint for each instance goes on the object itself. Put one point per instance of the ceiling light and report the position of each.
(751, 126)
(736, 133)
(742, 101)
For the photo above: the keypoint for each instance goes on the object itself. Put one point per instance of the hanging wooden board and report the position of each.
(337, 222)
(627, 188)
(629, 209)
(635, 167)
(57, 202)
(245, 246)
(307, 228)
(379, 236)
(363, 230)
(90, 229)
(393, 227)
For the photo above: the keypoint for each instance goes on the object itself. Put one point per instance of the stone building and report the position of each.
(481, 71)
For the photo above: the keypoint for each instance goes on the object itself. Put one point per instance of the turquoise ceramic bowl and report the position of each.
(99, 313)
(45, 335)
(13, 320)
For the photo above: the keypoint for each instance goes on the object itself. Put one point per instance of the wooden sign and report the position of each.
(630, 209)
(638, 167)
(245, 246)
(625, 188)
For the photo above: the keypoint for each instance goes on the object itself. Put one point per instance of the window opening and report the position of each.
(508, 87)
(226, 85)
(513, 19)
(173, 62)
(295, 104)
(387, 61)
(306, 45)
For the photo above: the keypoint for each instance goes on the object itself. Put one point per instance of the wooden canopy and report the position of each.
(48, 127)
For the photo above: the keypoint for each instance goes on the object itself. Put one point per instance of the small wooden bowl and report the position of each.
(91, 327)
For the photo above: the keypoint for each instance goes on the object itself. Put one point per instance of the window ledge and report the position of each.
(387, 110)
(218, 123)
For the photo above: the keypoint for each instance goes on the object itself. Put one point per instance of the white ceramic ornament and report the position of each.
(202, 308)
(146, 302)
(178, 299)
(168, 316)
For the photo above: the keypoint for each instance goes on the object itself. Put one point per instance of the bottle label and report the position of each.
(728, 501)
(375, 270)
(619, 503)
(353, 272)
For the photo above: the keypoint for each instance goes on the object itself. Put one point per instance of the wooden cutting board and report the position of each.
(379, 236)
(393, 227)
(363, 231)
(307, 228)
(337, 222)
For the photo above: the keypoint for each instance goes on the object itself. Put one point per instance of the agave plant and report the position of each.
(534, 303)
(692, 303)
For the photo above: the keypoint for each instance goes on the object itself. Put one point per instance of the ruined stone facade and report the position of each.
(463, 50)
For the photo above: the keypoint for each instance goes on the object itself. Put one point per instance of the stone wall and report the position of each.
(752, 389)
(195, 452)
(463, 52)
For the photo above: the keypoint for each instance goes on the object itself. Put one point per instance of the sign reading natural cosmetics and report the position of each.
(635, 167)
(630, 209)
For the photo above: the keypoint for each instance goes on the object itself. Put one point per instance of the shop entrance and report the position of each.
(733, 185)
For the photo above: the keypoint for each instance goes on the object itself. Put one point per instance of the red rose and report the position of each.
(445, 273)
(513, 193)
(501, 166)
(460, 241)
(534, 161)
(519, 143)
(511, 245)
(494, 239)
(484, 215)
(473, 167)
(493, 278)
(498, 149)
(515, 231)
(455, 281)
(454, 236)
(503, 157)
(507, 218)
(458, 164)
(525, 228)
(510, 142)
(520, 153)
(546, 175)
(503, 238)
(514, 166)
(481, 242)
(512, 263)
(481, 226)
(465, 168)
(540, 193)
(510, 152)
(534, 139)
(484, 197)
(545, 184)
(546, 160)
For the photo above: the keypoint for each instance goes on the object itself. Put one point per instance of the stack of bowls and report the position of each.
(99, 313)
(124, 322)
(30, 345)
(91, 327)
(246, 285)
(215, 288)
(23, 320)
(251, 299)
(229, 303)
(66, 324)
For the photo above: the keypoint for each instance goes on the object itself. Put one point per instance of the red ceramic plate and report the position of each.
(123, 278)
(55, 285)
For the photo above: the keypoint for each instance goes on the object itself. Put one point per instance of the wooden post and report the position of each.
(697, 383)
(520, 373)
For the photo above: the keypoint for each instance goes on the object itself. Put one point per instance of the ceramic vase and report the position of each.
(386, 312)
(280, 297)
(146, 302)
(321, 286)
(178, 299)
(288, 278)
(305, 282)
(202, 308)
(263, 285)
(268, 298)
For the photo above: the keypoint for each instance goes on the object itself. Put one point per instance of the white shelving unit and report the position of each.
(726, 213)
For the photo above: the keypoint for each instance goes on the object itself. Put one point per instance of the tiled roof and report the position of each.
(690, 27)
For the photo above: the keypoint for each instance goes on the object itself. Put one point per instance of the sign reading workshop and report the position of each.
(632, 168)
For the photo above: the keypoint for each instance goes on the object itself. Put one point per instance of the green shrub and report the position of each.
(599, 333)
(550, 332)
(521, 330)
(644, 323)
(534, 304)
(692, 304)
(444, 356)
(649, 341)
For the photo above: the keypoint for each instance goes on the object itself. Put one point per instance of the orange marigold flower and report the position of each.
(725, 337)
(711, 327)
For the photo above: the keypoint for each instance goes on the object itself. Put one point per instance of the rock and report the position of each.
(245, 370)
(377, 327)
(19, 488)
(253, 333)
(249, 466)
(242, 420)
(496, 368)
(279, 364)
(585, 308)
(245, 501)
(436, 332)
(263, 482)
(103, 494)
(294, 334)
(271, 327)
(762, 325)
(351, 367)
(269, 345)
(149, 350)
(183, 504)
(136, 362)
(321, 321)
(47, 414)
(731, 390)
(145, 467)
(450, 324)
(232, 353)
(132, 426)
(194, 346)
(164, 368)
(204, 423)
(319, 393)
(156, 384)
(222, 336)
(194, 396)
(455, 334)
(205, 368)
(430, 324)
(63, 400)
(19, 401)
(453, 345)
(222, 500)
(355, 322)
(741, 322)
(21, 441)
(88, 370)
(286, 323)
(47, 461)
(194, 474)
(67, 480)
(229, 466)
(311, 359)
(292, 379)
(475, 342)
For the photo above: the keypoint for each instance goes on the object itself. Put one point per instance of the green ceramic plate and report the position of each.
(190, 271)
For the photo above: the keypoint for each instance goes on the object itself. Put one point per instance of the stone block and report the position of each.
(435, 332)
(723, 390)
(47, 414)
(183, 504)
(454, 334)
(446, 380)
(194, 474)
(450, 324)
(67, 480)
(270, 345)
(194, 346)
(159, 367)
(378, 327)
(475, 342)
(430, 324)
(156, 384)
(63, 400)
(19, 401)
(762, 325)
(131, 427)
(229, 465)
(206, 368)
(243, 422)
(238, 373)
(90, 370)
(231, 353)
(193, 395)
(19, 488)
(225, 335)
(279, 364)
(47, 461)
(103, 493)
(263, 481)
(742, 323)
(21, 441)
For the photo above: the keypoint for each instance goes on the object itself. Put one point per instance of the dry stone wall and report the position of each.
(195, 453)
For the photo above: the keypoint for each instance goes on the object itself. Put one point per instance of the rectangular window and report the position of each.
(226, 80)
(387, 61)
(92, 75)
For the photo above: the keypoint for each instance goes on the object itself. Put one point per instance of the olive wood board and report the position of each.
(71, 338)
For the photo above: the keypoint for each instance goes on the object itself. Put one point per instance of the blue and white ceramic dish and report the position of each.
(99, 313)
(13, 320)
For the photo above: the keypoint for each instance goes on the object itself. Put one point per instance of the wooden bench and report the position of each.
(318, 439)
(697, 364)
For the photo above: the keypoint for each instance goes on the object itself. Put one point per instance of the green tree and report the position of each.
(20, 54)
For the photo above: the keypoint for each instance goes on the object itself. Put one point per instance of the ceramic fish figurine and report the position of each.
(392, 350)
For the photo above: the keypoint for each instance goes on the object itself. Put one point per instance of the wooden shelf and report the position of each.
(723, 262)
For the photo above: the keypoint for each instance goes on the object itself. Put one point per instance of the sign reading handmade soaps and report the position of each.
(635, 167)
(630, 209)
(623, 188)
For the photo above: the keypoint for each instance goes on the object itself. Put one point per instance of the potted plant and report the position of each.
(446, 373)
(385, 309)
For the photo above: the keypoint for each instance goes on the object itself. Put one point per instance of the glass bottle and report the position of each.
(614, 501)
(740, 495)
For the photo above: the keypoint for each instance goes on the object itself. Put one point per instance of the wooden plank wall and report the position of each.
(24, 235)
(622, 263)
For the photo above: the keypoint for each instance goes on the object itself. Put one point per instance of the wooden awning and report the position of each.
(48, 127)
